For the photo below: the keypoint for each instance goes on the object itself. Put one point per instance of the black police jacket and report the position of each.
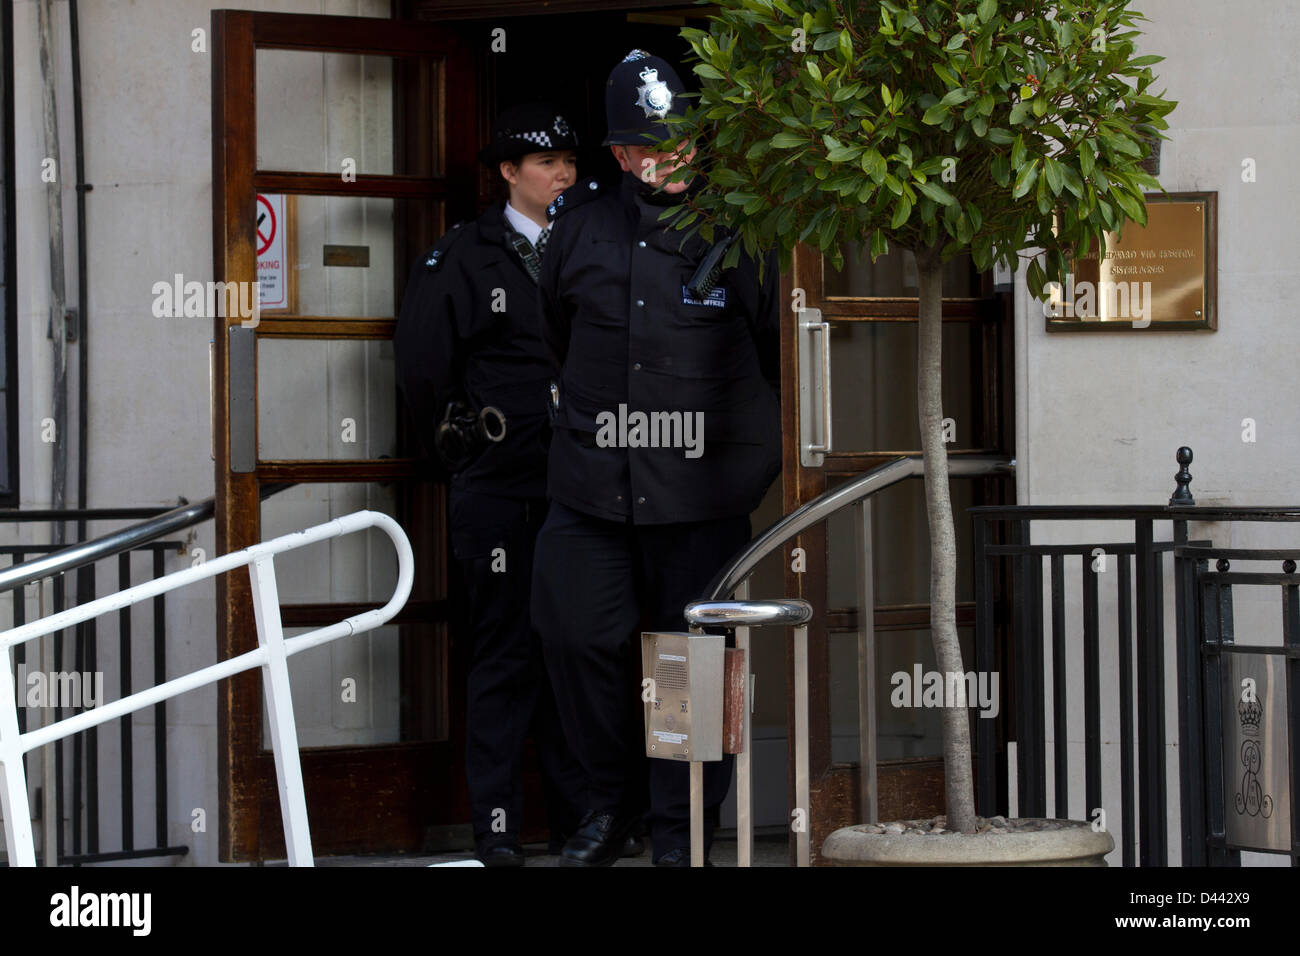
(469, 330)
(631, 339)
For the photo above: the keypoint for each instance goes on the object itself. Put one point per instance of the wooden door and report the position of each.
(366, 128)
(872, 314)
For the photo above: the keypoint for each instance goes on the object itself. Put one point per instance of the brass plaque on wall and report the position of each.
(1158, 277)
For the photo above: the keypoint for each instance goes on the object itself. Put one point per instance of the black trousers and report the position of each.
(597, 584)
(508, 692)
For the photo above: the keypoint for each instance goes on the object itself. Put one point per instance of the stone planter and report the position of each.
(1023, 842)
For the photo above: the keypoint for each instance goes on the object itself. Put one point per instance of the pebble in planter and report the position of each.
(997, 842)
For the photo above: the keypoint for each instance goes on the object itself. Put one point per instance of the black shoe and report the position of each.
(600, 840)
(634, 845)
(679, 856)
(499, 852)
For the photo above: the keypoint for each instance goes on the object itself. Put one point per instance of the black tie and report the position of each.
(540, 244)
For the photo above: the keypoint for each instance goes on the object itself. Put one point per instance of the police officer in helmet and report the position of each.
(475, 375)
(666, 435)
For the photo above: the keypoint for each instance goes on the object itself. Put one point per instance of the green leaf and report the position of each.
(945, 74)
(901, 212)
(1018, 152)
(936, 192)
(1055, 178)
(710, 72)
(842, 154)
(814, 71)
(1086, 158)
(846, 45)
(845, 92)
(1025, 179)
(831, 142)
(956, 42)
(935, 115)
(879, 244)
(893, 185)
(739, 199)
(787, 140)
(1026, 92)
(1132, 207)
(986, 10)
(886, 95)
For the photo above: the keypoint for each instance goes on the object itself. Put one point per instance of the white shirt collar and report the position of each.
(522, 224)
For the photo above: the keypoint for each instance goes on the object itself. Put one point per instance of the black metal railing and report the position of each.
(1017, 637)
(34, 562)
(1248, 690)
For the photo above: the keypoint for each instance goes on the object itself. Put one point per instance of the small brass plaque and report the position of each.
(347, 256)
(1158, 277)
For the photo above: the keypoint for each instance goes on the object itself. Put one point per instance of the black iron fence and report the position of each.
(75, 660)
(1248, 712)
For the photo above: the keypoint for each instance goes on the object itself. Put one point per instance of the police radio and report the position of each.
(463, 433)
(706, 276)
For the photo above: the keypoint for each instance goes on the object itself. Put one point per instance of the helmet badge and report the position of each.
(654, 96)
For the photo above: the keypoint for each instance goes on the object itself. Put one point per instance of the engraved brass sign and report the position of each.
(1157, 277)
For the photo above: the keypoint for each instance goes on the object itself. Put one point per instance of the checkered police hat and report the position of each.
(531, 128)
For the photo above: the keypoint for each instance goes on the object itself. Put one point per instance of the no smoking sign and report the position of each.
(272, 262)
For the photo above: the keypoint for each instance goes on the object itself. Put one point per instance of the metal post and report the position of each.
(13, 782)
(744, 760)
(279, 711)
(867, 793)
(49, 769)
(697, 813)
(801, 789)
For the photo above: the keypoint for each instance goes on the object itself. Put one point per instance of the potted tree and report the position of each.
(1005, 129)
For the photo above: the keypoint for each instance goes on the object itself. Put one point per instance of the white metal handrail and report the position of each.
(271, 655)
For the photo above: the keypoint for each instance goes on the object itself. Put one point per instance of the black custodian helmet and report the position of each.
(531, 128)
(639, 93)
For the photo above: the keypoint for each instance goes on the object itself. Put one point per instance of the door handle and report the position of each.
(815, 439)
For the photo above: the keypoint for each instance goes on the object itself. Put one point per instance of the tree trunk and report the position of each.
(959, 788)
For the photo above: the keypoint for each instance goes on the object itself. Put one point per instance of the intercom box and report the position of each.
(684, 697)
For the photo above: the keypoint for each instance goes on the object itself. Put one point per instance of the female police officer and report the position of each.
(639, 523)
(467, 341)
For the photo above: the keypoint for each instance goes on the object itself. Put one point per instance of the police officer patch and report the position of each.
(715, 297)
(654, 96)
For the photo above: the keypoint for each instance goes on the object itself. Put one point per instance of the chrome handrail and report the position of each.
(742, 613)
(828, 503)
(787, 613)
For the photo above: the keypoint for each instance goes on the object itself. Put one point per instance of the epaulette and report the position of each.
(573, 197)
(433, 258)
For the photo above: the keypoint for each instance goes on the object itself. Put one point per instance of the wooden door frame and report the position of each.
(912, 787)
(394, 777)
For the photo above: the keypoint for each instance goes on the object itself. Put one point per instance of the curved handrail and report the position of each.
(790, 612)
(826, 504)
